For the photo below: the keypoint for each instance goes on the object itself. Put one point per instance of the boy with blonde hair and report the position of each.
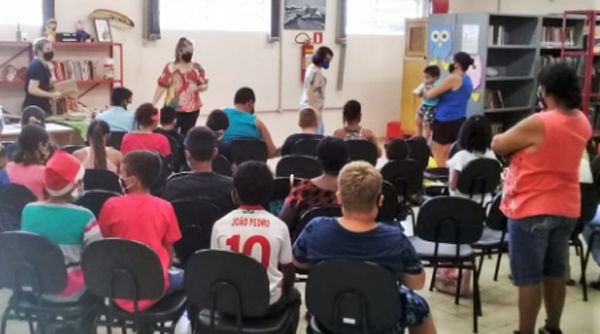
(308, 121)
(326, 238)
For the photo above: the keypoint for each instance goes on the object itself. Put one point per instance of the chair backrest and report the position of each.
(389, 209)
(115, 139)
(496, 219)
(196, 219)
(419, 151)
(243, 150)
(353, 297)
(71, 148)
(177, 175)
(16, 196)
(324, 211)
(306, 147)
(101, 179)
(405, 175)
(222, 166)
(453, 220)
(29, 262)
(166, 169)
(301, 166)
(118, 268)
(480, 176)
(227, 282)
(94, 200)
(362, 150)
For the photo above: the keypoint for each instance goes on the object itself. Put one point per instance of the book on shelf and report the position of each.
(497, 128)
(497, 35)
(493, 98)
(551, 36)
(575, 62)
(79, 70)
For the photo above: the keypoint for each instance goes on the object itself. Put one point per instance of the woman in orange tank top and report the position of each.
(541, 195)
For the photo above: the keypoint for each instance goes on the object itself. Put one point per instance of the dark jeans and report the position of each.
(186, 121)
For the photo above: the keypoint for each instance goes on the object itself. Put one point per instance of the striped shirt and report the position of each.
(72, 228)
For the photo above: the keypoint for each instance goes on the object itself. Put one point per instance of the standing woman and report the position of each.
(38, 85)
(541, 195)
(454, 93)
(183, 80)
(315, 83)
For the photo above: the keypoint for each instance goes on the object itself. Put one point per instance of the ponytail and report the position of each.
(96, 132)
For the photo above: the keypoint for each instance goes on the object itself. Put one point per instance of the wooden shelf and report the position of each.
(509, 78)
(508, 46)
(85, 45)
(508, 109)
(12, 83)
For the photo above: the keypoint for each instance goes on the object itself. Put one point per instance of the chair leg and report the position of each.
(480, 264)
(5, 320)
(500, 251)
(435, 268)
(31, 325)
(458, 283)
(476, 299)
(584, 269)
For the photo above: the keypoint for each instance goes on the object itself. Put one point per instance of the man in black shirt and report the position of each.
(202, 184)
(308, 122)
(38, 83)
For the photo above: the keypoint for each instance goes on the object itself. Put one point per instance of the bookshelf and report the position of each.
(83, 62)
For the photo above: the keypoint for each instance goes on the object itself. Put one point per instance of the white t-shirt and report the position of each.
(260, 235)
(459, 161)
(315, 80)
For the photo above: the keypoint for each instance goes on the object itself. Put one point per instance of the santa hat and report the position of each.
(63, 171)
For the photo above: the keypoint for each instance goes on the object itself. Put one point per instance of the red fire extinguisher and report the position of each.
(306, 52)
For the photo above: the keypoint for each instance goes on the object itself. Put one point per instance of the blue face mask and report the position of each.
(325, 64)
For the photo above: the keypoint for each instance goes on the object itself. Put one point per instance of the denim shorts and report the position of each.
(537, 247)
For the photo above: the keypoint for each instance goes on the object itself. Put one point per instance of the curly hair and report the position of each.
(562, 83)
(475, 134)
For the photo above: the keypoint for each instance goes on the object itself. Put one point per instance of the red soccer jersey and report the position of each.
(146, 141)
(143, 218)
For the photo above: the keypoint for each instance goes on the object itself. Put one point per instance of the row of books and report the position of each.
(575, 62)
(551, 36)
(80, 70)
(493, 98)
(497, 35)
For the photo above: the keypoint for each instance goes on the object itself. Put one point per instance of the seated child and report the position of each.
(397, 150)
(71, 227)
(352, 129)
(168, 123)
(426, 112)
(358, 237)
(253, 184)
(218, 122)
(27, 167)
(142, 217)
(308, 120)
(146, 120)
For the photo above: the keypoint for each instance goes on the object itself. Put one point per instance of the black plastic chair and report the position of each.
(407, 178)
(196, 219)
(115, 139)
(301, 166)
(166, 169)
(493, 239)
(362, 150)
(419, 151)
(71, 148)
(31, 265)
(325, 211)
(94, 200)
(446, 228)
(243, 150)
(177, 175)
(225, 300)
(592, 241)
(352, 297)
(222, 166)
(101, 179)
(480, 177)
(16, 197)
(118, 268)
(281, 189)
(306, 147)
(388, 212)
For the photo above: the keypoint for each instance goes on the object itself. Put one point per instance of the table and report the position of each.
(59, 134)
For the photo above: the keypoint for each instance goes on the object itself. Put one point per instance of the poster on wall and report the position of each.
(440, 44)
(305, 14)
(470, 38)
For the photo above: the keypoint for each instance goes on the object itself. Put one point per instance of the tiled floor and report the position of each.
(499, 307)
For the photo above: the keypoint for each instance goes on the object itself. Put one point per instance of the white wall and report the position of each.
(234, 59)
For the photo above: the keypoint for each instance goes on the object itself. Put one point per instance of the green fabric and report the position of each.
(80, 126)
(63, 224)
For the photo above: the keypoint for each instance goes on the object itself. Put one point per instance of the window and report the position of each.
(228, 15)
(22, 12)
(380, 17)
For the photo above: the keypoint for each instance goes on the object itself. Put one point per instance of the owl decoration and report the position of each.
(440, 44)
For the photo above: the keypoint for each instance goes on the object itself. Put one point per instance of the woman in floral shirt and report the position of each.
(182, 80)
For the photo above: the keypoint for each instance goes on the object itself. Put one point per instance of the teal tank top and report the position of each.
(241, 125)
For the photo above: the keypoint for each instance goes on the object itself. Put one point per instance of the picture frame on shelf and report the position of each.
(103, 31)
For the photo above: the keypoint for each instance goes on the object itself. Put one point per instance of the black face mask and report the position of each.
(187, 57)
(48, 56)
(451, 68)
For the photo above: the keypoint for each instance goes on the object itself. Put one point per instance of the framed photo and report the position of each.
(103, 30)
(305, 15)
